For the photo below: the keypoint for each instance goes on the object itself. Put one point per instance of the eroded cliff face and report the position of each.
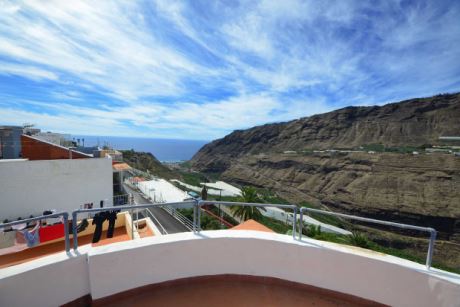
(409, 123)
(417, 189)
(422, 189)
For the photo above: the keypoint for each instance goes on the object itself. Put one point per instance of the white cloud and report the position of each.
(29, 72)
(97, 42)
(201, 69)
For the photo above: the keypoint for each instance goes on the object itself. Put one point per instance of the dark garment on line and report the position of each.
(82, 226)
(98, 220)
(111, 216)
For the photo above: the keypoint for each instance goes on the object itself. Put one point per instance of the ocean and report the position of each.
(165, 150)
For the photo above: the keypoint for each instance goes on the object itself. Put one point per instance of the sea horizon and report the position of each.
(165, 150)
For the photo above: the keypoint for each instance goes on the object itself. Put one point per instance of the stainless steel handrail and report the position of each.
(121, 208)
(65, 216)
(432, 231)
(196, 224)
(229, 203)
(179, 216)
(163, 230)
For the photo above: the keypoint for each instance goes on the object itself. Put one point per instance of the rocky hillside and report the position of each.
(413, 122)
(288, 158)
(421, 189)
(145, 161)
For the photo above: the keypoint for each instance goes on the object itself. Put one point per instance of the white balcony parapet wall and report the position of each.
(127, 265)
(49, 281)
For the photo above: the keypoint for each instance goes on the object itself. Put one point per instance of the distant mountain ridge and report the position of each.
(411, 122)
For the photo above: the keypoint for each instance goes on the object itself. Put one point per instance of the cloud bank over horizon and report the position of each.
(201, 69)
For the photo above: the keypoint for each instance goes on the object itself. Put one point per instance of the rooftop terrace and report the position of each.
(231, 267)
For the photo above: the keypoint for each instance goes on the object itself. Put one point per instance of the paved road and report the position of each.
(170, 224)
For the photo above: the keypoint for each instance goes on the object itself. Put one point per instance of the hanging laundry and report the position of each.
(98, 220)
(7, 239)
(19, 244)
(20, 238)
(32, 237)
(19, 226)
(111, 216)
(53, 232)
(80, 227)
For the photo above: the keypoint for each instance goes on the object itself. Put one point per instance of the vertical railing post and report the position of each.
(66, 231)
(131, 202)
(194, 217)
(74, 230)
(429, 256)
(199, 217)
(294, 222)
(300, 224)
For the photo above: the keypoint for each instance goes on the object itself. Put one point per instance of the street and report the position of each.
(169, 223)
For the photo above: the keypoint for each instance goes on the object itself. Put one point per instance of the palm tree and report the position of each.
(248, 195)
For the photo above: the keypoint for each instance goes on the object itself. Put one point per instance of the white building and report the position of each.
(31, 187)
(161, 191)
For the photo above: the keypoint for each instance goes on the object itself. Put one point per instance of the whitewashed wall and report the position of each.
(30, 187)
(50, 281)
(109, 269)
(382, 278)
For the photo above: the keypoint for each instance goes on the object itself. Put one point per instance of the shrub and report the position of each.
(313, 230)
(359, 239)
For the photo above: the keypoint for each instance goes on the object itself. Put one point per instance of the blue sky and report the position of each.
(200, 69)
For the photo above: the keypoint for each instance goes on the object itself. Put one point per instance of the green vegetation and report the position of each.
(186, 165)
(313, 231)
(248, 195)
(275, 225)
(374, 147)
(193, 178)
(360, 240)
(327, 219)
(207, 222)
(399, 149)
(145, 161)
(269, 197)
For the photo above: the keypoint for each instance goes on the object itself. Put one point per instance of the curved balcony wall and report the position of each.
(124, 266)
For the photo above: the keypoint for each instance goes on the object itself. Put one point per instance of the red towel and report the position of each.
(52, 232)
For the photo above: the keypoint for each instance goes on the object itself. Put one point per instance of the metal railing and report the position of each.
(75, 213)
(154, 219)
(196, 223)
(200, 203)
(179, 216)
(432, 231)
(65, 217)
